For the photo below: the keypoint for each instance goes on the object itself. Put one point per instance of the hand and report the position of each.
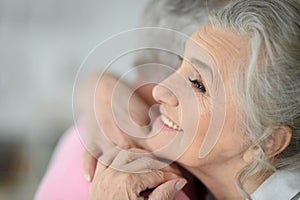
(103, 130)
(130, 173)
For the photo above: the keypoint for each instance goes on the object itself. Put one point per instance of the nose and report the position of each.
(163, 94)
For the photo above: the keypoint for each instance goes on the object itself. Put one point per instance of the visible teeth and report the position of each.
(169, 123)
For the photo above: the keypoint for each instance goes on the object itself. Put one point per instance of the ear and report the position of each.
(278, 141)
(250, 154)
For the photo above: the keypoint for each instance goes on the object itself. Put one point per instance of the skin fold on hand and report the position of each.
(127, 176)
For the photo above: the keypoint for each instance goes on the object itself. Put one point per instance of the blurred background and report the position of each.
(42, 44)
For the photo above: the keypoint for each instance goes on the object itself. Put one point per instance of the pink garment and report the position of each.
(64, 177)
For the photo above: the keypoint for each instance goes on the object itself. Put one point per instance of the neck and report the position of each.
(221, 180)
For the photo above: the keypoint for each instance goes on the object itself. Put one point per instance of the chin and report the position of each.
(170, 152)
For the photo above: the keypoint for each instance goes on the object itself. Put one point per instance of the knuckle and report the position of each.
(160, 174)
(166, 195)
(123, 154)
(127, 187)
(152, 163)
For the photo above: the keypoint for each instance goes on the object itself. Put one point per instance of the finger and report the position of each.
(138, 160)
(172, 167)
(108, 156)
(152, 179)
(144, 164)
(139, 116)
(167, 190)
(123, 142)
(89, 166)
(127, 156)
(104, 162)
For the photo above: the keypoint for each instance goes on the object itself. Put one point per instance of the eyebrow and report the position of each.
(199, 64)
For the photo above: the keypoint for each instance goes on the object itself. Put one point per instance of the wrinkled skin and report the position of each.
(135, 177)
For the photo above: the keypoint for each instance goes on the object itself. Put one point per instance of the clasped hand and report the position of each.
(128, 174)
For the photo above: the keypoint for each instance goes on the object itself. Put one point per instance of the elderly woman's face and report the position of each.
(198, 123)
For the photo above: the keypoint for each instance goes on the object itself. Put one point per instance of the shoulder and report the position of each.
(283, 184)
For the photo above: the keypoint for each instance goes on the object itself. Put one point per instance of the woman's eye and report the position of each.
(198, 85)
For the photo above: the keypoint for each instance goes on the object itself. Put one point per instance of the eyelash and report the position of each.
(198, 84)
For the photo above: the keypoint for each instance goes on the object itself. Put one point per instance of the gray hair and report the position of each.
(268, 90)
(184, 16)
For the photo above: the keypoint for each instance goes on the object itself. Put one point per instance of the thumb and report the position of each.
(167, 190)
(138, 110)
(89, 166)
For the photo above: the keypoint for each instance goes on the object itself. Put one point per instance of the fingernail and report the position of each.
(180, 184)
(87, 176)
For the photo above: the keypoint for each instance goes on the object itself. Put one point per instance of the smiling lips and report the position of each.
(169, 123)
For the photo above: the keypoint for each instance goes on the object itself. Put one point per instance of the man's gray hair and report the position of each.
(184, 16)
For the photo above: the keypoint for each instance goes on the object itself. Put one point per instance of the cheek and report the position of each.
(159, 141)
(195, 116)
(180, 147)
(193, 139)
(232, 139)
(231, 142)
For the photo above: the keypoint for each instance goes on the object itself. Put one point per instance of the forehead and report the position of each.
(219, 48)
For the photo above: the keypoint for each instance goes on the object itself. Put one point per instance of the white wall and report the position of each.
(42, 43)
